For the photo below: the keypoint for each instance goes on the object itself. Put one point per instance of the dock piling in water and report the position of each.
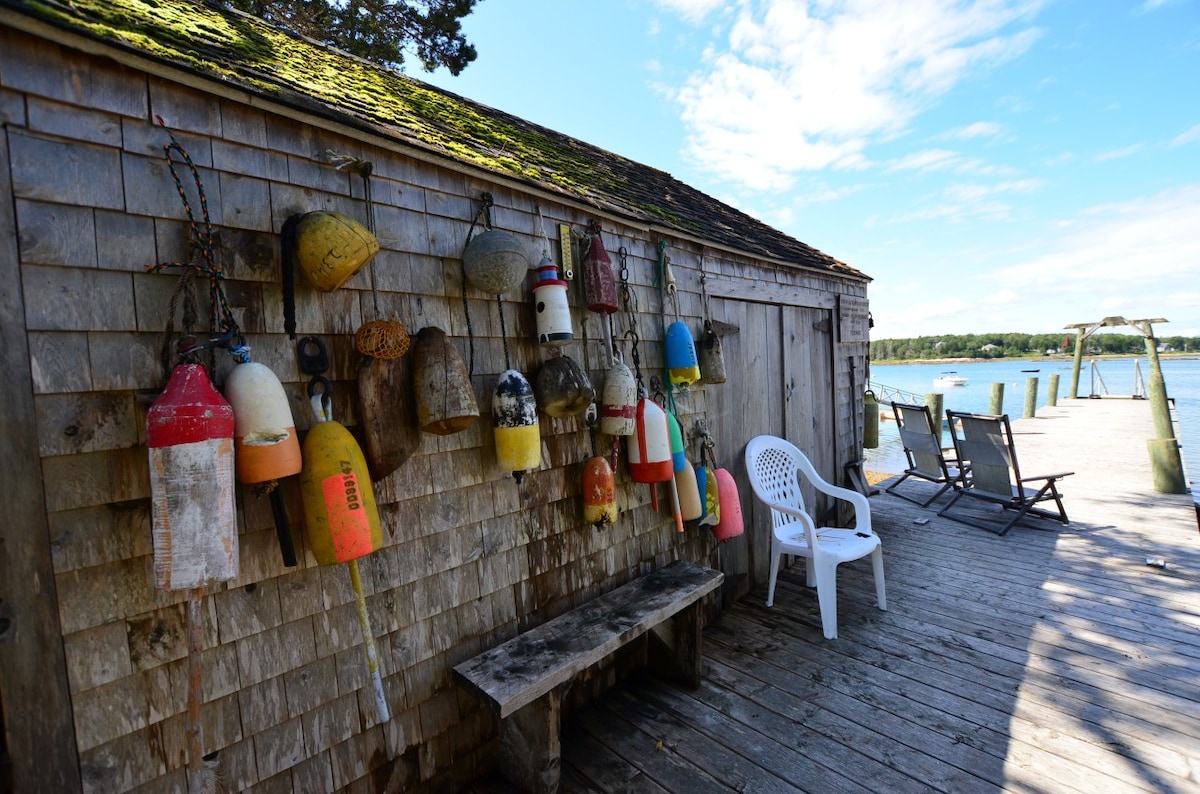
(1031, 390)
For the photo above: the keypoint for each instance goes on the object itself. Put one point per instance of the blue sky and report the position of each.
(993, 165)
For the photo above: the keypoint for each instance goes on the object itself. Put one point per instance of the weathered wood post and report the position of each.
(996, 403)
(1166, 464)
(935, 402)
(1052, 391)
(1078, 363)
(1031, 389)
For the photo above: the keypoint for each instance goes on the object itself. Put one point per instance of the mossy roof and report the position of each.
(212, 40)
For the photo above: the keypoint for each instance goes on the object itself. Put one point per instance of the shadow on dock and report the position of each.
(1054, 659)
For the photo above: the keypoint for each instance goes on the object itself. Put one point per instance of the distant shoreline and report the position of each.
(1049, 359)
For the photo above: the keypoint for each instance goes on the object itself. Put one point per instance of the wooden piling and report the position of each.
(996, 403)
(1031, 390)
(935, 402)
(1052, 389)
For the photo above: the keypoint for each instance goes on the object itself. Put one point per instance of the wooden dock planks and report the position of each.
(1053, 659)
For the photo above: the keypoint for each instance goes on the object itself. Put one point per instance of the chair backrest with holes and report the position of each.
(773, 465)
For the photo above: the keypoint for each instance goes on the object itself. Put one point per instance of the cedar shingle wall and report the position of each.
(470, 557)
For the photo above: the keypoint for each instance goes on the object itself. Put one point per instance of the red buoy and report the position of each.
(189, 431)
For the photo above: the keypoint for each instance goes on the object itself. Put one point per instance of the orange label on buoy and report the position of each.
(349, 525)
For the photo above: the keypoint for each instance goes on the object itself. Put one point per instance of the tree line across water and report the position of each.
(1021, 346)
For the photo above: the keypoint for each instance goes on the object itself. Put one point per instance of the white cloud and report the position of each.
(1117, 154)
(980, 129)
(692, 10)
(1142, 250)
(804, 86)
(1191, 135)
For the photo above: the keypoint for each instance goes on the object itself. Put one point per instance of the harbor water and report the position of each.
(1107, 377)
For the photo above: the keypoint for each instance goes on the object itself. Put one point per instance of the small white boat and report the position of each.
(948, 380)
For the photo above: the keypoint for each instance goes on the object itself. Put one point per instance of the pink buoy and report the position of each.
(730, 525)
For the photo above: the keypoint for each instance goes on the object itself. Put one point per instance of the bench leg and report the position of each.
(675, 647)
(530, 744)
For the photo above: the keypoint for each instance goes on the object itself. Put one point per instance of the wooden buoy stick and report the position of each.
(364, 621)
(195, 644)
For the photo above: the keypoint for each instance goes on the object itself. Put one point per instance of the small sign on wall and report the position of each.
(853, 323)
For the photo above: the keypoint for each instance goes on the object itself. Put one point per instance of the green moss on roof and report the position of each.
(235, 48)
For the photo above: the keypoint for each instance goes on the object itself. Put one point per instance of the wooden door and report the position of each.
(780, 382)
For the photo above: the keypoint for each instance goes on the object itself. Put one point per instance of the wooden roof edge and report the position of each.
(328, 116)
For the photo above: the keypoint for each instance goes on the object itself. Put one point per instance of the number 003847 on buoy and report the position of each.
(340, 512)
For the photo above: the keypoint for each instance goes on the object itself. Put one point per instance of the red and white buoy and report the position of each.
(190, 431)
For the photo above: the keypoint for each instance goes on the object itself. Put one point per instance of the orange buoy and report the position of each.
(599, 492)
(730, 525)
(190, 431)
(265, 443)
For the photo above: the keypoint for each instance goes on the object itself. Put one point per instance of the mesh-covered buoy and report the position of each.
(384, 339)
(495, 261)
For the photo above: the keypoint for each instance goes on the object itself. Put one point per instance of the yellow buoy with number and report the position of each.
(341, 516)
(514, 415)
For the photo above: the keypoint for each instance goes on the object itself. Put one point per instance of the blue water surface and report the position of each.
(1115, 377)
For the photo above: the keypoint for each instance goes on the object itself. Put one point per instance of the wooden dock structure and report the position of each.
(1054, 659)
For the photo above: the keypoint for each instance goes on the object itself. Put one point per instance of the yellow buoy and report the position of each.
(331, 247)
(514, 415)
(341, 517)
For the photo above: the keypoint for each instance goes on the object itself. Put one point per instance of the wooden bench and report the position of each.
(524, 679)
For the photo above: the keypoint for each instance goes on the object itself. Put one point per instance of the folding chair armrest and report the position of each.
(1058, 475)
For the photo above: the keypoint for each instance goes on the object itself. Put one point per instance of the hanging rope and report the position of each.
(379, 338)
(630, 302)
(205, 258)
(503, 332)
(485, 212)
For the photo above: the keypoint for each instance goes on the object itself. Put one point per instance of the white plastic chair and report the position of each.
(774, 466)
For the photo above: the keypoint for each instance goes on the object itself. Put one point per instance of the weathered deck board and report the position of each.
(1053, 659)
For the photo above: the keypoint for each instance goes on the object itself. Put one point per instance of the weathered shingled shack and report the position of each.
(93, 674)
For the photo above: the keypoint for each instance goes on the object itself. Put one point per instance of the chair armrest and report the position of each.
(1058, 475)
(802, 516)
(862, 508)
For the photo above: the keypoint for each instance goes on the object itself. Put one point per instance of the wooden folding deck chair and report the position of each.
(984, 444)
(923, 448)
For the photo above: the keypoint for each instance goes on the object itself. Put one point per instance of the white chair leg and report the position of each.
(880, 589)
(827, 597)
(771, 582)
(810, 571)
